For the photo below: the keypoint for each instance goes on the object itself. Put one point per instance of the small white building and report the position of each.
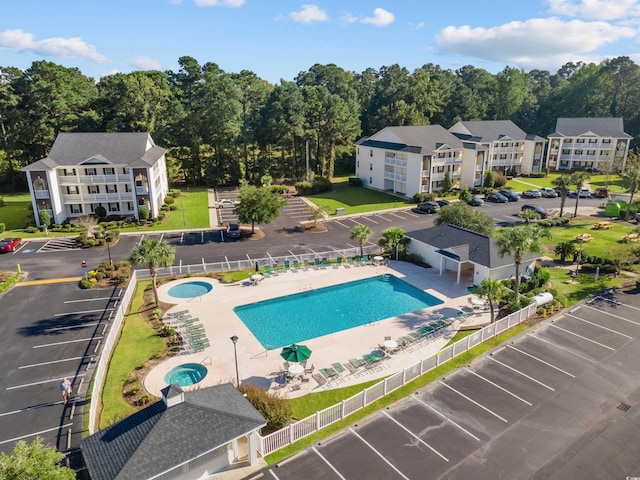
(83, 171)
(598, 144)
(471, 255)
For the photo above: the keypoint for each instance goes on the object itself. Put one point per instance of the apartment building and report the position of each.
(118, 171)
(415, 159)
(598, 144)
(512, 151)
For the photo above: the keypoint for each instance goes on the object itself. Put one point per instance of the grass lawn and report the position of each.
(138, 343)
(15, 214)
(575, 290)
(613, 182)
(355, 199)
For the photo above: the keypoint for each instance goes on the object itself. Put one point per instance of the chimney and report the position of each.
(172, 395)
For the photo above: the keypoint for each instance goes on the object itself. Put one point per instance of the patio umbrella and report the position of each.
(295, 353)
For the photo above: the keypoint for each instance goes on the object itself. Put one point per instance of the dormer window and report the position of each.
(90, 171)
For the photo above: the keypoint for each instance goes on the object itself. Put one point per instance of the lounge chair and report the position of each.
(357, 260)
(352, 370)
(325, 262)
(287, 265)
(296, 265)
(365, 259)
(310, 369)
(320, 379)
(350, 261)
(338, 368)
(338, 262)
(268, 271)
(328, 373)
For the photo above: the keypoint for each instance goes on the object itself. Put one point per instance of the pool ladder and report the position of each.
(307, 288)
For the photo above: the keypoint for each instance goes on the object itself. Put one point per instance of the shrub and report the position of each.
(99, 276)
(357, 182)
(164, 208)
(101, 212)
(144, 213)
(500, 181)
(279, 189)
(3, 227)
(418, 197)
(274, 408)
(174, 192)
(45, 218)
(304, 188)
(121, 278)
(85, 284)
(2, 202)
(173, 207)
(31, 229)
(169, 200)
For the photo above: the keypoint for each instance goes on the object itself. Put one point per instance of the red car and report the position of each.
(9, 244)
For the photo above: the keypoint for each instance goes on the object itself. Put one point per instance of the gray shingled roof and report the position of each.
(158, 438)
(467, 245)
(416, 139)
(602, 127)
(492, 130)
(71, 149)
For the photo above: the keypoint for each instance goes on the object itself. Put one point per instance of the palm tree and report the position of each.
(578, 179)
(361, 233)
(631, 179)
(392, 238)
(493, 291)
(529, 215)
(154, 254)
(562, 183)
(518, 242)
(564, 250)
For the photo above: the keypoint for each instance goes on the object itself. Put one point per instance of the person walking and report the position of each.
(65, 389)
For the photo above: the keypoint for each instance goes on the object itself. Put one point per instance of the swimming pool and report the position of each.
(295, 318)
(186, 374)
(190, 289)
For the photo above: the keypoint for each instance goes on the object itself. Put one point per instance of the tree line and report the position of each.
(220, 128)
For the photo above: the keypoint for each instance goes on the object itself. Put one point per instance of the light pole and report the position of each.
(109, 252)
(234, 339)
(579, 255)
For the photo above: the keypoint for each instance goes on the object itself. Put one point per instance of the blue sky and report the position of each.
(277, 39)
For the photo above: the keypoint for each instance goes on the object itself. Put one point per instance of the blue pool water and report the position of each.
(190, 289)
(295, 318)
(186, 375)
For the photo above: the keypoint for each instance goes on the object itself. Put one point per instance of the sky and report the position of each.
(278, 39)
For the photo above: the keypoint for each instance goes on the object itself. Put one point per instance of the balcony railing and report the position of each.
(97, 197)
(142, 191)
(92, 179)
(42, 193)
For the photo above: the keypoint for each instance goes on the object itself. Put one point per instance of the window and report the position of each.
(564, 164)
(141, 202)
(130, 206)
(138, 183)
(112, 189)
(72, 190)
(593, 140)
(76, 208)
(69, 172)
(358, 164)
(566, 151)
(578, 152)
(113, 207)
(93, 188)
(568, 140)
(606, 140)
(94, 206)
(580, 140)
(371, 166)
(358, 151)
(109, 171)
(125, 170)
(370, 180)
(371, 153)
(90, 171)
(127, 188)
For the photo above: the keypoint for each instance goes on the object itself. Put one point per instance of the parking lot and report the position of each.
(48, 332)
(558, 402)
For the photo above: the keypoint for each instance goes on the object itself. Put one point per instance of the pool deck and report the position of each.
(260, 366)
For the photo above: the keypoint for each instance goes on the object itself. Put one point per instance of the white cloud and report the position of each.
(347, 18)
(146, 63)
(219, 3)
(309, 13)
(20, 41)
(539, 42)
(381, 18)
(596, 9)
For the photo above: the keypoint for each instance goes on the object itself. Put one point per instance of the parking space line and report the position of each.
(36, 433)
(541, 361)
(181, 238)
(20, 248)
(498, 386)
(273, 474)
(141, 237)
(396, 215)
(416, 436)
(446, 418)
(355, 221)
(32, 407)
(379, 454)
(370, 220)
(617, 303)
(340, 223)
(46, 381)
(582, 337)
(599, 326)
(82, 312)
(322, 457)
(72, 326)
(473, 401)
(612, 315)
(161, 236)
(560, 347)
(384, 218)
(67, 341)
(91, 299)
(522, 373)
(55, 361)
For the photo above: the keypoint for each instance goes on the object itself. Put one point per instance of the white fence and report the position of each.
(323, 418)
(107, 350)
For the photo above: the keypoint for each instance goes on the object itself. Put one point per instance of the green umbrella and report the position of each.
(295, 353)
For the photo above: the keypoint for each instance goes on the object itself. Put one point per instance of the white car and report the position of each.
(226, 203)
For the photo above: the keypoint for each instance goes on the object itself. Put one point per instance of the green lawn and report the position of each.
(613, 182)
(138, 343)
(355, 199)
(575, 290)
(16, 213)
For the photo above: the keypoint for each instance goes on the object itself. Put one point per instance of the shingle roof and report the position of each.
(492, 130)
(467, 245)
(131, 149)
(602, 127)
(415, 139)
(159, 438)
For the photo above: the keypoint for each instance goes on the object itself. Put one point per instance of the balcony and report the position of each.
(395, 176)
(395, 161)
(142, 191)
(97, 197)
(92, 179)
(447, 161)
(42, 193)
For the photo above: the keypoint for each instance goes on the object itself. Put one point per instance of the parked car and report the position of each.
(601, 193)
(585, 193)
(475, 201)
(226, 203)
(234, 232)
(443, 203)
(536, 208)
(510, 194)
(428, 207)
(531, 194)
(548, 192)
(496, 197)
(9, 244)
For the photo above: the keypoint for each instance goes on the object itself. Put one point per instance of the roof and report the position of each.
(489, 130)
(70, 149)
(159, 438)
(465, 244)
(600, 127)
(422, 139)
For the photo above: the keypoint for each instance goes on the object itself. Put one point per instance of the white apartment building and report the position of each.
(599, 144)
(512, 152)
(415, 159)
(118, 171)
